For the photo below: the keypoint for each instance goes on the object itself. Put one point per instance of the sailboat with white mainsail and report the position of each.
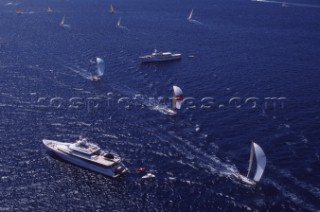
(119, 26)
(18, 11)
(49, 10)
(261, 161)
(111, 9)
(177, 101)
(62, 21)
(190, 19)
(190, 15)
(63, 25)
(119, 23)
(284, 4)
(99, 71)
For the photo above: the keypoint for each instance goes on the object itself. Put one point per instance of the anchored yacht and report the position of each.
(88, 155)
(160, 56)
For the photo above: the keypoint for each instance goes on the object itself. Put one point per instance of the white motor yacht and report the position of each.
(160, 56)
(87, 155)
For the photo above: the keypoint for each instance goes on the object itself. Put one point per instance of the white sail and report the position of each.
(261, 160)
(111, 9)
(49, 9)
(190, 15)
(100, 67)
(177, 97)
(251, 159)
(62, 21)
(119, 22)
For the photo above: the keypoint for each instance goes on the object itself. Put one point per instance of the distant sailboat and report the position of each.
(119, 23)
(192, 20)
(111, 9)
(261, 161)
(49, 10)
(284, 4)
(119, 26)
(190, 15)
(99, 71)
(18, 11)
(62, 21)
(63, 25)
(177, 101)
(177, 98)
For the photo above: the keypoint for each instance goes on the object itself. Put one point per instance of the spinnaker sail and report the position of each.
(100, 67)
(177, 98)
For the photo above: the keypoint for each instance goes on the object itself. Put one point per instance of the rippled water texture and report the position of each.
(241, 49)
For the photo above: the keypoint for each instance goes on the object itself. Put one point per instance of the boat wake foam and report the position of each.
(195, 21)
(76, 69)
(289, 4)
(209, 163)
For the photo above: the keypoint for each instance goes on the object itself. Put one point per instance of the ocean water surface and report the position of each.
(254, 77)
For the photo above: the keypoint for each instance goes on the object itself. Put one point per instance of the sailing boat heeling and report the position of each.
(100, 66)
(177, 97)
(111, 9)
(190, 15)
(119, 22)
(261, 160)
(251, 159)
(62, 21)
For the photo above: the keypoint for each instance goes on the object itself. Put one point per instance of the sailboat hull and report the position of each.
(150, 59)
(160, 57)
(247, 180)
(168, 111)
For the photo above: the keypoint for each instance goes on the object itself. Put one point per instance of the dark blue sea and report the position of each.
(254, 77)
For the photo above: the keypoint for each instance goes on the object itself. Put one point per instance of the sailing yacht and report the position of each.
(99, 71)
(177, 101)
(261, 161)
(62, 21)
(119, 23)
(49, 10)
(18, 11)
(190, 19)
(63, 25)
(284, 4)
(87, 155)
(190, 15)
(111, 9)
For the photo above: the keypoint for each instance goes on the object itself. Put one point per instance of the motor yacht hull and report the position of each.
(160, 58)
(53, 147)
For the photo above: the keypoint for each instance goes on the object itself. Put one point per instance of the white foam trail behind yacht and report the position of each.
(87, 155)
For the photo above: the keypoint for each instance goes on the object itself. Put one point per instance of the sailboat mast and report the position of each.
(251, 159)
